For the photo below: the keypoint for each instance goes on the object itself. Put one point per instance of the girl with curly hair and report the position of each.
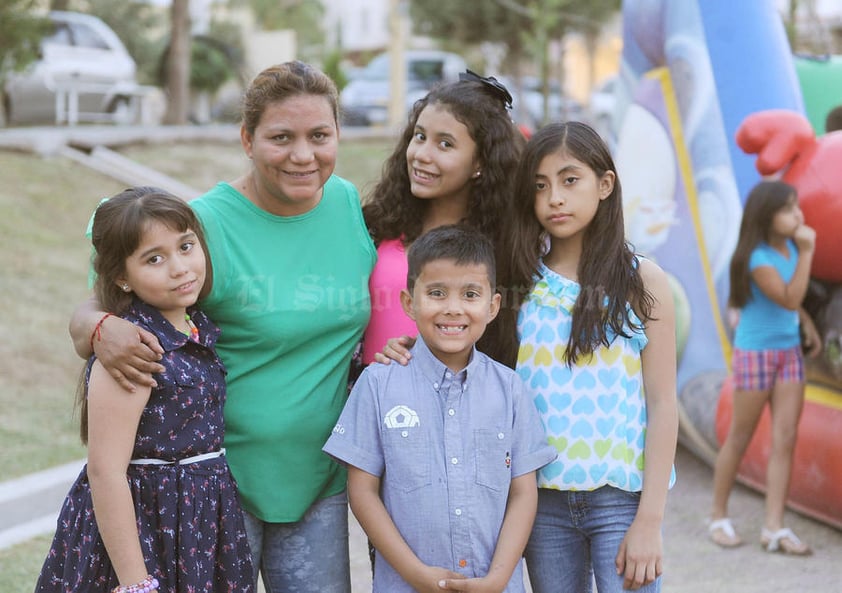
(454, 163)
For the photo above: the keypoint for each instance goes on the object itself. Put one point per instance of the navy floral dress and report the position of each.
(188, 516)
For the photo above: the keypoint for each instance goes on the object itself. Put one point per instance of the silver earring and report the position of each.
(477, 174)
(125, 288)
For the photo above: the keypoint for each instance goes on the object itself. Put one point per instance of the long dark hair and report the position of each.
(118, 228)
(608, 272)
(391, 211)
(764, 201)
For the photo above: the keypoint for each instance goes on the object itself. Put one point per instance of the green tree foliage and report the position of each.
(20, 33)
(524, 27)
(228, 38)
(211, 66)
(588, 16)
(215, 59)
(504, 20)
(470, 23)
(332, 66)
(518, 24)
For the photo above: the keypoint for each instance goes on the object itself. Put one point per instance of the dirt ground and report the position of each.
(695, 565)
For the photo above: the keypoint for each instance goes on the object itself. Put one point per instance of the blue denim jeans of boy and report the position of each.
(308, 556)
(575, 540)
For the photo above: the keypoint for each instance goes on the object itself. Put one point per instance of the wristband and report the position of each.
(97, 333)
(147, 585)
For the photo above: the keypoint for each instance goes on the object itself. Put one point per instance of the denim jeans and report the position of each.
(575, 539)
(308, 556)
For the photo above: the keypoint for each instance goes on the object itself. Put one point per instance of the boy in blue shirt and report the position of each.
(442, 453)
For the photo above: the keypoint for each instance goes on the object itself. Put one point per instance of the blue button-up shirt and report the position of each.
(446, 447)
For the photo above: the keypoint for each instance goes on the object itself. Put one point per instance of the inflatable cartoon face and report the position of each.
(649, 179)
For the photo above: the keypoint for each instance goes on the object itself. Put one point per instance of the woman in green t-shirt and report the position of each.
(288, 273)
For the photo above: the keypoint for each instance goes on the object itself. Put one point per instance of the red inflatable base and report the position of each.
(816, 484)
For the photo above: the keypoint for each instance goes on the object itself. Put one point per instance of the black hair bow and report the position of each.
(497, 87)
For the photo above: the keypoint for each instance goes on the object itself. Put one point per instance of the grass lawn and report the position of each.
(45, 204)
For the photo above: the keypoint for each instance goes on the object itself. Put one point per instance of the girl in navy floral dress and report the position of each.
(155, 508)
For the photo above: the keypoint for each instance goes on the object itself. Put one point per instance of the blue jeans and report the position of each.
(308, 556)
(575, 539)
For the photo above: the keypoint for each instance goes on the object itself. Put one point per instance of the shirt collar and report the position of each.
(168, 336)
(434, 370)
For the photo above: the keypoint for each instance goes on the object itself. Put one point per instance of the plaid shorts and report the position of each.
(758, 370)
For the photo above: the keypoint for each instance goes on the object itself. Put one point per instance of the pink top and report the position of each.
(387, 281)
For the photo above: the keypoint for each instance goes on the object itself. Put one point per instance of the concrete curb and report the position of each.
(29, 505)
(48, 141)
(115, 165)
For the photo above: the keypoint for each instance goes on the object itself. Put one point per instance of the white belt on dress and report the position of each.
(185, 461)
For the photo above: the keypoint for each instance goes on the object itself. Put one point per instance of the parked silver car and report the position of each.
(365, 100)
(81, 58)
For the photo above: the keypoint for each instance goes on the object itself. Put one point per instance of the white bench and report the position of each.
(67, 94)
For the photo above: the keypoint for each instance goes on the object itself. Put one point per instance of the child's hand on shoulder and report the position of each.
(129, 353)
(396, 349)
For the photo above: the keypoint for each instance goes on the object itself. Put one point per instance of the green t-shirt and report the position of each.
(291, 297)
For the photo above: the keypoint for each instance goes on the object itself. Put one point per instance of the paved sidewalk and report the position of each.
(29, 505)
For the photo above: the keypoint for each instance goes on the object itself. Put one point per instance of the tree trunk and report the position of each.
(178, 65)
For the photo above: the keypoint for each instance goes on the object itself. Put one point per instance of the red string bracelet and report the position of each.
(97, 333)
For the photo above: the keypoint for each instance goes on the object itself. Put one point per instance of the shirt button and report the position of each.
(404, 434)
(454, 461)
(451, 412)
(501, 436)
(435, 385)
(448, 375)
(458, 512)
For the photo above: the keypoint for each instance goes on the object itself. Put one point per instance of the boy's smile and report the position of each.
(451, 304)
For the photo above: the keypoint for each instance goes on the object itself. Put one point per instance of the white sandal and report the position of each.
(724, 526)
(784, 541)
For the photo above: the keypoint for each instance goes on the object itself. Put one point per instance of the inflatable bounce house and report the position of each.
(709, 102)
